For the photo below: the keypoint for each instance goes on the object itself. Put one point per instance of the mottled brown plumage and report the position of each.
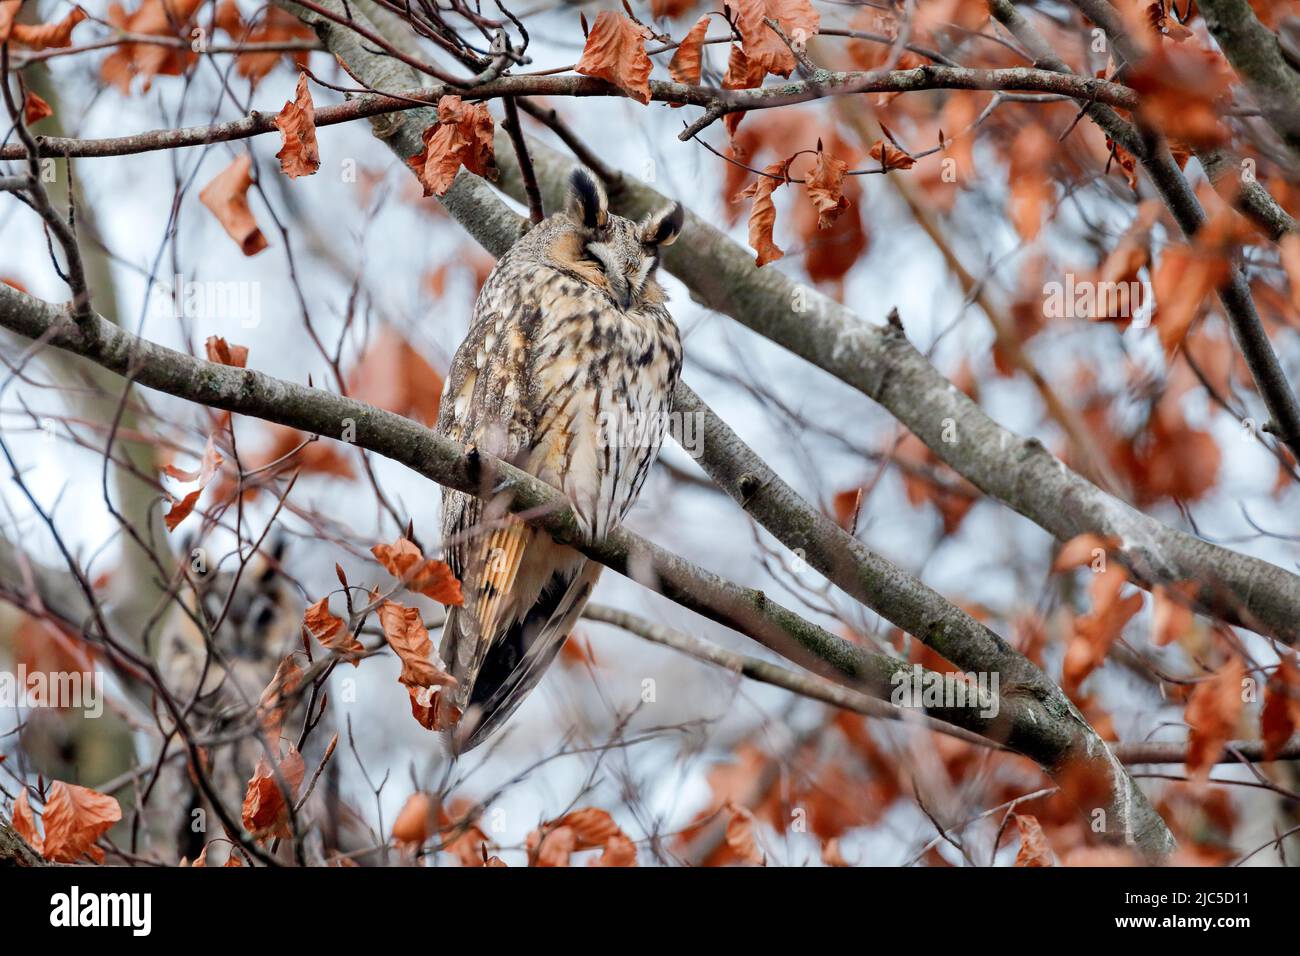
(567, 372)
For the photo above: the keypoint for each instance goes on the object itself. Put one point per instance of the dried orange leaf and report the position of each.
(47, 36)
(75, 817)
(180, 509)
(740, 835)
(416, 821)
(615, 51)
(299, 156)
(831, 853)
(8, 11)
(764, 48)
(208, 465)
(552, 850)
(331, 632)
(762, 215)
(826, 188)
(1289, 247)
(619, 851)
(890, 156)
(35, 109)
(1212, 713)
(272, 26)
(426, 576)
(24, 822)
(592, 827)
(1281, 714)
(265, 812)
(688, 59)
(461, 137)
(1082, 550)
(392, 374)
(1034, 850)
(431, 708)
(406, 635)
(227, 197)
(223, 353)
(278, 697)
(160, 18)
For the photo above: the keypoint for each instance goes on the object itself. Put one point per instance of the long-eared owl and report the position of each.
(567, 372)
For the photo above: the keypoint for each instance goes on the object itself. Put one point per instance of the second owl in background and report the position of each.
(567, 372)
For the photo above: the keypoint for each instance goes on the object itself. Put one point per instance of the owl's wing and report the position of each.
(481, 408)
(522, 589)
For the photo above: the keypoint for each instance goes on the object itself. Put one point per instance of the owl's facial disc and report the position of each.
(624, 273)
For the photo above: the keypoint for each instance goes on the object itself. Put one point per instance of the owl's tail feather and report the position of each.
(517, 660)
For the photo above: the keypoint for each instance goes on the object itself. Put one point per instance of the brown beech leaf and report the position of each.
(765, 49)
(1171, 618)
(890, 156)
(1034, 850)
(615, 51)
(406, 635)
(278, 696)
(826, 188)
(592, 827)
(831, 853)
(223, 353)
(1082, 551)
(688, 59)
(1032, 188)
(461, 834)
(427, 576)
(8, 11)
(762, 215)
(740, 834)
(461, 137)
(75, 817)
(1096, 631)
(416, 822)
(1182, 92)
(35, 109)
(671, 8)
(208, 467)
(160, 18)
(392, 374)
(1212, 713)
(299, 156)
(227, 197)
(619, 851)
(552, 850)
(24, 822)
(265, 813)
(1281, 714)
(181, 509)
(331, 632)
(431, 708)
(272, 26)
(1289, 247)
(1181, 284)
(47, 36)
(742, 74)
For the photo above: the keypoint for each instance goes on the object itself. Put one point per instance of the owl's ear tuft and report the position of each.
(587, 202)
(662, 228)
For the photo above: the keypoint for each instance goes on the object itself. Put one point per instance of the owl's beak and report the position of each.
(623, 295)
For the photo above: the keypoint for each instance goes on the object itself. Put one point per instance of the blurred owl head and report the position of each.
(616, 254)
(257, 606)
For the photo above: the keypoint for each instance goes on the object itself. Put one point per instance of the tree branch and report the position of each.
(1254, 52)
